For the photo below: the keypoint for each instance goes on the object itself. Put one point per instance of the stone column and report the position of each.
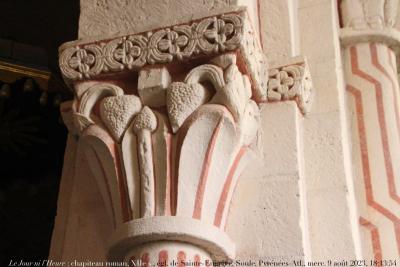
(369, 49)
(166, 119)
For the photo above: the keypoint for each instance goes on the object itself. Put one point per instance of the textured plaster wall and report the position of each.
(110, 17)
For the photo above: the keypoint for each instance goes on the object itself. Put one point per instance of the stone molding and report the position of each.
(369, 21)
(388, 36)
(291, 80)
(368, 14)
(207, 36)
(168, 228)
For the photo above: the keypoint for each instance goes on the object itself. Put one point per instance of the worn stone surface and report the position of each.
(152, 85)
(109, 17)
(279, 28)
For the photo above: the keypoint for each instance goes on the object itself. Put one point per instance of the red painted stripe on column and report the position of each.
(259, 23)
(125, 203)
(123, 187)
(113, 149)
(204, 173)
(168, 190)
(145, 260)
(365, 164)
(155, 195)
(227, 186)
(197, 260)
(375, 239)
(107, 186)
(181, 258)
(162, 258)
(390, 52)
(388, 160)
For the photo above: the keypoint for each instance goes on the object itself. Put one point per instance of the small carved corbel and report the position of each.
(291, 81)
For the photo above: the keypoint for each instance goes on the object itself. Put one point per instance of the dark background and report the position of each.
(32, 136)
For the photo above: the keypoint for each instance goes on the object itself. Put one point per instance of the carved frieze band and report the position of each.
(291, 81)
(208, 36)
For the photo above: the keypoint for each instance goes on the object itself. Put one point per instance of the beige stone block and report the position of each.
(323, 152)
(281, 140)
(152, 85)
(307, 3)
(279, 28)
(111, 17)
(266, 224)
(327, 86)
(330, 229)
(319, 38)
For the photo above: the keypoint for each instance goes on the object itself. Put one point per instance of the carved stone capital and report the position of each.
(291, 80)
(167, 142)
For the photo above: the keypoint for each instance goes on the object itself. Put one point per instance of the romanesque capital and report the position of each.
(167, 119)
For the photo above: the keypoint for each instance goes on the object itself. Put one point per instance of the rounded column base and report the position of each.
(168, 253)
(176, 233)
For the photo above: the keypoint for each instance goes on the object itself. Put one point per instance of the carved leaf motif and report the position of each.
(182, 100)
(235, 94)
(117, 112)
(145, 120)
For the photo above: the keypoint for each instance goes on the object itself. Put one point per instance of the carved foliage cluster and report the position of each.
(208, 36)
(213, 92)
(117, 110)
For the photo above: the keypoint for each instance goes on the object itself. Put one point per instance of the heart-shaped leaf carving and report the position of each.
(182, 100)
(117, 111)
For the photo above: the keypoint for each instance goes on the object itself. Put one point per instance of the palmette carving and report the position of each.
(166, 151)
(201, 143)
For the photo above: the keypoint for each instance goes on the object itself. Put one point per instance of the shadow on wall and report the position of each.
(32, 137)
